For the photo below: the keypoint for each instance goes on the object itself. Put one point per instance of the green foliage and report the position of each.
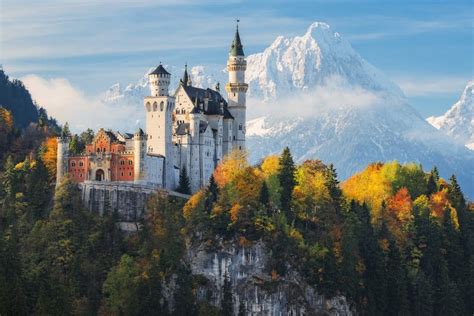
(184, 186)
(286, 177)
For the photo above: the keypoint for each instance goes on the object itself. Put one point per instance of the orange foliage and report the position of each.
(50, 155)
(231, 166)
(438, 201)
(401, 205)
(195, 202)
(6, 120)
(234, 212)
(247, 184)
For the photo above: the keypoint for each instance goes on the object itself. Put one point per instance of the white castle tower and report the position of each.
(237, 89)
(62, 158)
(159, 108)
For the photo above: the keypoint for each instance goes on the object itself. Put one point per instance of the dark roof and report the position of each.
(182, 129)
(214, 100)
(236, 49)
(111, 135)
(185, 79)
(160, 70)
(139, 132)
(127, 135)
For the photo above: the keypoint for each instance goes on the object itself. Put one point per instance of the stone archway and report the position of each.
(99, 175)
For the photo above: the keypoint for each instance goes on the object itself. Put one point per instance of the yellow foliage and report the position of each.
(50, 155)
(270, 165)
(370, 186)
(247, 185)
(6, 120)
(193, 203)
(230, 167)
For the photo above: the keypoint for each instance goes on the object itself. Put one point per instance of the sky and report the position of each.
(85, 46)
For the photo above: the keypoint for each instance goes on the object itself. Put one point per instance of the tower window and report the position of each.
(240, 126)
(161, 106)
(155, 106)
(130, 162)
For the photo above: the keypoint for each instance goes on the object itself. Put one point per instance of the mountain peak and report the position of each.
(317, 25)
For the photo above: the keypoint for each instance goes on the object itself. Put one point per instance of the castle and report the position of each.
(190, 131)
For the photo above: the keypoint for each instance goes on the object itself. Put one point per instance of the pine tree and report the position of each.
(227, 306)
(184, 186)
(241, 308)
(397, 299)
(65, 132)
(332, 183)
(287, 179)
(265, 196)
(432, 185)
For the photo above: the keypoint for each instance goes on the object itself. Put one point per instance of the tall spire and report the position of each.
(185, 79)
(236, 49)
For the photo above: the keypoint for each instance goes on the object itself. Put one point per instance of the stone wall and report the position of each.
(128, 199)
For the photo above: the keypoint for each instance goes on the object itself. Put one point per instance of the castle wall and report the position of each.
(127, 199)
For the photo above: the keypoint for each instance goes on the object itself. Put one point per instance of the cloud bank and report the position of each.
(67, 103)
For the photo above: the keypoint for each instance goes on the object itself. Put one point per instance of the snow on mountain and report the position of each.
(301, 63)
(317, 95)
(357, 119)
(458, 121)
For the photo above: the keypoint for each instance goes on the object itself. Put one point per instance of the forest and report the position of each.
(393, 239)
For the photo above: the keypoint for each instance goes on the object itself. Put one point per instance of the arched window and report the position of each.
(162, 104)
(155, 106)
(148, 107)
(240, 126)
(81, 164)
(122, 162)
(73, 163)
(130, 162)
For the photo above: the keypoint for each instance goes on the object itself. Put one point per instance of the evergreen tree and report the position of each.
(183, 296)
(265, 196)
(227, 305)
(422, 296)
(397, 299)
(241, 308)
(65, 132)
(184, 186)
(432, 185)
(286, 176)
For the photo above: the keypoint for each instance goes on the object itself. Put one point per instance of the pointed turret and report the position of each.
(236, 49)
(185, 80)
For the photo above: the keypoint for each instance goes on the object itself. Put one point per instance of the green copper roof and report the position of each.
(236, 49)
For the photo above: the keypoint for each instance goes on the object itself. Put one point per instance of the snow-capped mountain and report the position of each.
(458, 121)
(301, 63)
(317, 95)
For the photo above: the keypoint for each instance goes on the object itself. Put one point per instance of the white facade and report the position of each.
(195, 128)
(192, 129)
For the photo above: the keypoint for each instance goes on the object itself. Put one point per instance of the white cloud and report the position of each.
(415, 87)
(334, 94)
(66, 103)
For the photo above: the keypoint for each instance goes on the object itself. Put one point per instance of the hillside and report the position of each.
(16, 98)
(274, 238)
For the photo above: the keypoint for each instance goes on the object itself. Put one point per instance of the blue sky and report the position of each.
(427, 47)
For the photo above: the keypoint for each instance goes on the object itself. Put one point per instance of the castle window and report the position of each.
(240, 127)
(80, 175)
(81, 163)
(130, 174)
(122, 162)
(155, 106)
(161, 106)
(130, 162)
(122, 174)
(73, 164)
(148, 107)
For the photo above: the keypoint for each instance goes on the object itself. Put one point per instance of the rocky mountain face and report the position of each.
(458, 121)
(252, 284)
